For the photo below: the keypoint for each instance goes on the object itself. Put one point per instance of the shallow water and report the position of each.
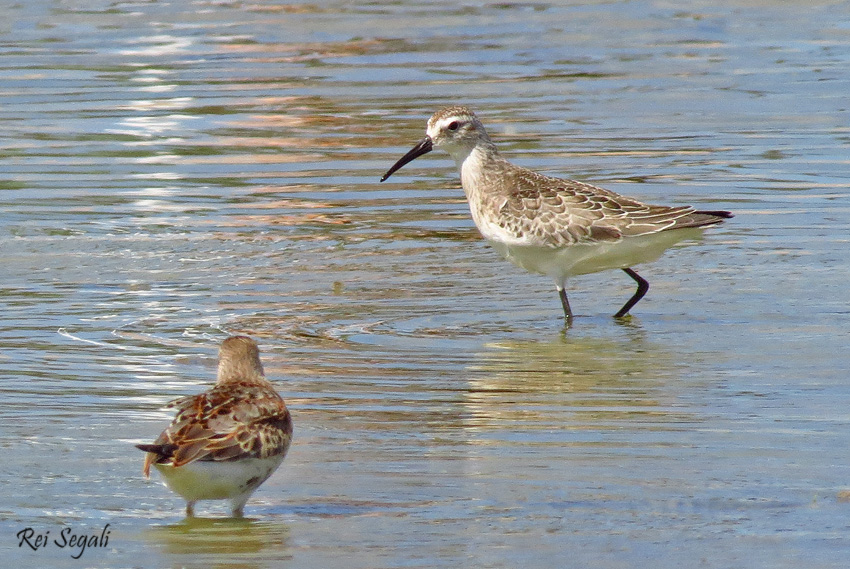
(176, 172)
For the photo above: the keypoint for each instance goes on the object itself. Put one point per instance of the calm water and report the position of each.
(176, 172)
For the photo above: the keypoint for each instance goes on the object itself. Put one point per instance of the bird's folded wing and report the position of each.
(225, 423)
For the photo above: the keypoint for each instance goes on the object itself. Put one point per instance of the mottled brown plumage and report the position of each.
(554, 226)
(240, 421)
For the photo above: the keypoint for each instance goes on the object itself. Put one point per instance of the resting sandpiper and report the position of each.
(556, 227)
(224, 442)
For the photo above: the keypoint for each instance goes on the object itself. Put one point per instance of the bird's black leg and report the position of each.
(568, 313)
(643, 286)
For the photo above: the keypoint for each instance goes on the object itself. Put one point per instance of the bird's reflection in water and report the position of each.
(573, 382)
(246, 543)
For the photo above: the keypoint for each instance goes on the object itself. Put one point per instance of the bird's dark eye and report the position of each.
(453, 125)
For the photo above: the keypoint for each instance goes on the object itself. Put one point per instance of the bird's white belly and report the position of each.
(580, 259)
(210, 480)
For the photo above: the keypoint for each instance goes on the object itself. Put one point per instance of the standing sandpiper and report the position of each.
(556, 227)
(224, 442)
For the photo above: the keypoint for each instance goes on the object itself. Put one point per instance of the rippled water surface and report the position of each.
(174, 172)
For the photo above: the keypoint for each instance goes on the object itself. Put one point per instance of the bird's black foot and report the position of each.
(568, 313)
(643, 286)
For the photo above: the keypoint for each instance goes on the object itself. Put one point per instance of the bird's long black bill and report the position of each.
(424, 147)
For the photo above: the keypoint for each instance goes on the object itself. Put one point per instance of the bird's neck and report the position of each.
(247, 371)
(479, 162)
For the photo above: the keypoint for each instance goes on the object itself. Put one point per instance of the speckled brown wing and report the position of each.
(555, 212)
(229, 422)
